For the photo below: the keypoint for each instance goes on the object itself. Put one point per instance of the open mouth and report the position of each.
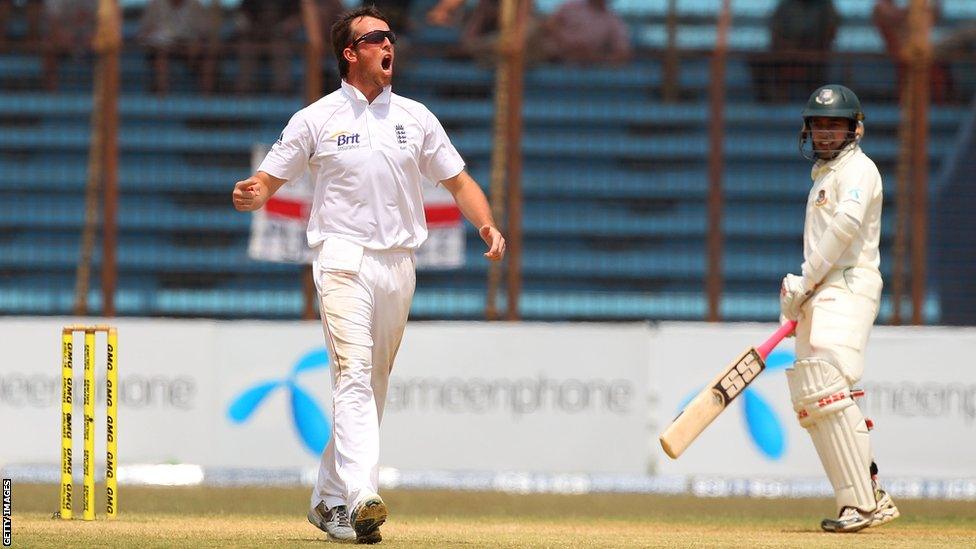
(387, 62)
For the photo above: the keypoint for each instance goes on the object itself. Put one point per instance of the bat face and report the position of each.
(739, 376)
(715, 397)
(710, 402)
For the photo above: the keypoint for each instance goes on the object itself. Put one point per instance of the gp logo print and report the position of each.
(311, 423)
(762, 422)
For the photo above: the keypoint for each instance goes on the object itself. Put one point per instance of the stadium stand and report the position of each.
(615, 180)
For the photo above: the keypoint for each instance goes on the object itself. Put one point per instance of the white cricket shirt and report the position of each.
(850, 183)
(367, 161)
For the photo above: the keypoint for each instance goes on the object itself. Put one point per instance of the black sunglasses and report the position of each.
(374, 37)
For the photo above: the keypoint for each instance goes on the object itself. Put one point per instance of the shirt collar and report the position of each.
(820, 167)
(353, 93)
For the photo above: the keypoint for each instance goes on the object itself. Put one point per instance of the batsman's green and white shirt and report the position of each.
(849, 184)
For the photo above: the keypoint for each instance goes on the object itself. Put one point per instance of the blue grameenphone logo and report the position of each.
(310, 421)
(764, 427)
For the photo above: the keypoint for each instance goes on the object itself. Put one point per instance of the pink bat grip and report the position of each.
(774, 339)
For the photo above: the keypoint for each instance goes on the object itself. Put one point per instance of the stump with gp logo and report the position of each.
(111, 420)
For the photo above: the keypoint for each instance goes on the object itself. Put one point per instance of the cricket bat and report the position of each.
(715, 397)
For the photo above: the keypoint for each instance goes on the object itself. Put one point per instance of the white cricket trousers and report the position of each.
(835, 323)
(364, 299)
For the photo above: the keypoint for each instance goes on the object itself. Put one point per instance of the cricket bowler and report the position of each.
(368, 151)
(835, 300)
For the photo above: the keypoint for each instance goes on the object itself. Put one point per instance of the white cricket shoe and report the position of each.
(886, 510)
(334, 522)
(850, 520)
(367, 516)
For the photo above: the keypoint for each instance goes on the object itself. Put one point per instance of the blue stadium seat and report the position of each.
(615, 181)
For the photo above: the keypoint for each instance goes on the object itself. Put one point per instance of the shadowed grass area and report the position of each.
(264, 517)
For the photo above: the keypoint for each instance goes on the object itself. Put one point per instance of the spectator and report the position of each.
(175, 29)
(480, 29)
(398, 12)
(6, 7)
(444, 13)
(587, 32)
(71, 25)
(267, 27)
(892, 23)
(32, 13)
(801, 35)
(329, 12)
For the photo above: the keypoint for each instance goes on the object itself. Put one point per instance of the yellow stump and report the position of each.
(67, 344)
(111, 420)
(88, 512)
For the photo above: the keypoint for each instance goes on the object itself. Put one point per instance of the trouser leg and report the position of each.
(364, 315)
(831, 338)
(393, 295)
(353, 451)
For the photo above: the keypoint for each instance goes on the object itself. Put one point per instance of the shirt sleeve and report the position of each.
(289, 156)
(854, 194)
(439, 160)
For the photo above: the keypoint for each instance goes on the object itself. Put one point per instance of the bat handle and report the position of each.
(774, 339)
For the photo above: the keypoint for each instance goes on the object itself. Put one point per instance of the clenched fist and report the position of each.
(250, 194)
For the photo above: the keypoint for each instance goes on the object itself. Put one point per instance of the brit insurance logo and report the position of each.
(346, 140)
(762, 422)
(311, 424)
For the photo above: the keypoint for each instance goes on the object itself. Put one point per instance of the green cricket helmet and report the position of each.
(831, 101)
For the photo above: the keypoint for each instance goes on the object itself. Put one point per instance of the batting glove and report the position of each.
(792, 295)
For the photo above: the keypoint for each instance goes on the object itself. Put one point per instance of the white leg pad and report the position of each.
(825, 406)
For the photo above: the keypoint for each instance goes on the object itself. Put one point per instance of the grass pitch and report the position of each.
(275, 517)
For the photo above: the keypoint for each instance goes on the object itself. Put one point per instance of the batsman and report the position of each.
(835, 300)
